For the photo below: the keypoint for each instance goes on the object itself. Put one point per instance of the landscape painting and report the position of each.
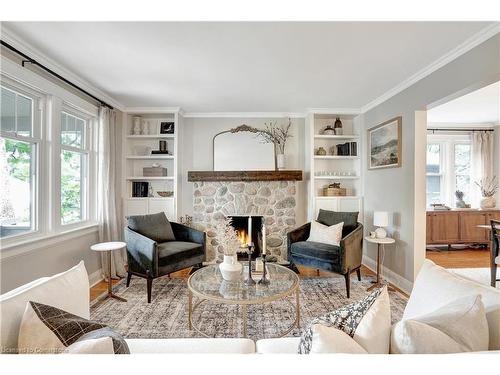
(384, 145)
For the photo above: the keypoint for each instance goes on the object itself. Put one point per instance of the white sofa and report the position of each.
(69, 291)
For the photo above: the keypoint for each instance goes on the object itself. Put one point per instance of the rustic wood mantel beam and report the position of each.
(285, 175)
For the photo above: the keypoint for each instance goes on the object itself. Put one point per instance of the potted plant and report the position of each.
(277, 134)
(489, 187)
(227, 237)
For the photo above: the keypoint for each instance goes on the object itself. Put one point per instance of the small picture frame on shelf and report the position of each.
(167, 127)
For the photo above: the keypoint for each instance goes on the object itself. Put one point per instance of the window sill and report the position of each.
(36, 242)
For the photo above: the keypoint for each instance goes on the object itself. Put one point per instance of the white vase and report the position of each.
(280, 161)
(137, 126)
(230, 268)
(488, 202)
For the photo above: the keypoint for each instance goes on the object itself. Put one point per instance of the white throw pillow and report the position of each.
(321, 233)
(332, 340)
(365, 324)
(436, 287)
(103, 345)
(458, 327)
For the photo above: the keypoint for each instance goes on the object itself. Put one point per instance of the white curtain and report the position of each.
(107, 197)
(482, 162)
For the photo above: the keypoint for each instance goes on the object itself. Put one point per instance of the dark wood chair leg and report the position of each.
(347, 277)
(358, 272)
(129, 277)
(150, 286)
(494, 275)
(294, 268)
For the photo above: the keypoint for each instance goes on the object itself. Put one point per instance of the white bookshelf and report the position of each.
(327, 169)
(134, 162)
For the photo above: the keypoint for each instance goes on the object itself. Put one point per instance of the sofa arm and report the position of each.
(352, 249)
(299, 234)
(141, 253)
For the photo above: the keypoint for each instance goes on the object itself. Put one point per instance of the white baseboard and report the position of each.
(95, 277)
(390, 276)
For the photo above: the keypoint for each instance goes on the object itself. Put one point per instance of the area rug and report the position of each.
(167, 314)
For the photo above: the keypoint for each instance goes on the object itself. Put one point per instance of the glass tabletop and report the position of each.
(207, 283)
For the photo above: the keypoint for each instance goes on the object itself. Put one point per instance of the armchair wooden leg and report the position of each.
(358, 272)
(347, 277)
(493, 275)
(150, 286)
(129, 277)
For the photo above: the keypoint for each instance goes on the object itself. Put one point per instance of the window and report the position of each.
(74, 171)
(448, 169)
(18, 163)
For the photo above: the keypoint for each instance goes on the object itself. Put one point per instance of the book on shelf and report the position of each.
(140, 189)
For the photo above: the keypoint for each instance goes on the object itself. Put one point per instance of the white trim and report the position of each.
(390, 276)
(334, 111)
(162, 110)
(457, 125)
(96, 277)
(455, 53)
(243, 115)
(37, 243)
(13, 39)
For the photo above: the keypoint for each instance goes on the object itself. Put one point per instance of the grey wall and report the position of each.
(197, 152)
(393, 189)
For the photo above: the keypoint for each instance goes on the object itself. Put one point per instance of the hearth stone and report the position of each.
(274, 200)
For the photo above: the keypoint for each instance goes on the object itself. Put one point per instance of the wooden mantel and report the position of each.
(284, 175)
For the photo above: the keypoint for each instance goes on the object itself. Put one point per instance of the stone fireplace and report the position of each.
(275, 201)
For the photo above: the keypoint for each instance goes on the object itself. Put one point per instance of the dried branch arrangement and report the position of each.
(227, 236)
(488, 186)
(277, 134)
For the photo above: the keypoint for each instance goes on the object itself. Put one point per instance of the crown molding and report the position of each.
(334, 111)
(458, 51)
(16, 41)
(458, 125)
(243, 115)
(152, 110)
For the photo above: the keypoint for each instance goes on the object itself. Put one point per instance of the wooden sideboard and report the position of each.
(459, 226)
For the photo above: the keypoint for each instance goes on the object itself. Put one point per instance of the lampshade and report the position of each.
(380, 219)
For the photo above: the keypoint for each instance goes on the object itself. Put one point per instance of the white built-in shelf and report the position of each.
(143, 178)
(336, 177)
(336, 157)
(145, 198)
(149, 157)
(322, 197)
(151, 136)
(327, 136)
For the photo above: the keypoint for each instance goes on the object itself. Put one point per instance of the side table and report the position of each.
(380, 244)
(109, 247)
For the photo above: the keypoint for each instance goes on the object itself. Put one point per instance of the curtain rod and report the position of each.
(50, 71)
(460, 130)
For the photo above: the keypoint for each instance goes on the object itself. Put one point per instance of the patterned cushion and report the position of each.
(156, 226)
(47, 329)
(329, 218)
(346, 319)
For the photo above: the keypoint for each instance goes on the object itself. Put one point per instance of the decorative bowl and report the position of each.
(165, 194)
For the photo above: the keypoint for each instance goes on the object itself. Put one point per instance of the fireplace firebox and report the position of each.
(241, 224)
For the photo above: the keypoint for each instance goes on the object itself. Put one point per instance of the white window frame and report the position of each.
(89, 168)
(442, 167)
(447, 144)
(37, 140)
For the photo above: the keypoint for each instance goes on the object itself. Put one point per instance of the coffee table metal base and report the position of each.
(244, 314)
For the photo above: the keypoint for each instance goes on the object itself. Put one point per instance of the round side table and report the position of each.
(380, 244)
(109, 247)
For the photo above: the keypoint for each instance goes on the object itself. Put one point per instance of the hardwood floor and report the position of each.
(467, 258)
(102, 286)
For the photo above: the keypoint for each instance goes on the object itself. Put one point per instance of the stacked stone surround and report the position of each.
(276, 201)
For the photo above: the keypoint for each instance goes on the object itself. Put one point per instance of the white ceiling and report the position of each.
(480, 106)
(245, 66)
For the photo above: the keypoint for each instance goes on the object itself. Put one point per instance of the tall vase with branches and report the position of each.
(489, 187)
(227, 237)
(278, 135)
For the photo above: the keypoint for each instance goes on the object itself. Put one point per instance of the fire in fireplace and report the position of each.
(241, 224)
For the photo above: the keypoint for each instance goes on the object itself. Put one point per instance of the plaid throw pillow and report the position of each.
(47, 329)
(345, 318)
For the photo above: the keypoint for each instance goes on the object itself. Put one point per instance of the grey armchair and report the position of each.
(343, 259)
(157, 247)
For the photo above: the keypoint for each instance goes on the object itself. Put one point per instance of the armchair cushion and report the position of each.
(316, 250)
(156, 226)
(350, 220)
(174, 252)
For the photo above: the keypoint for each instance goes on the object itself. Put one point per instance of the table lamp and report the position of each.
(380, 220)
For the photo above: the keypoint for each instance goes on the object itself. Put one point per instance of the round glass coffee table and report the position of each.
(208, 286)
